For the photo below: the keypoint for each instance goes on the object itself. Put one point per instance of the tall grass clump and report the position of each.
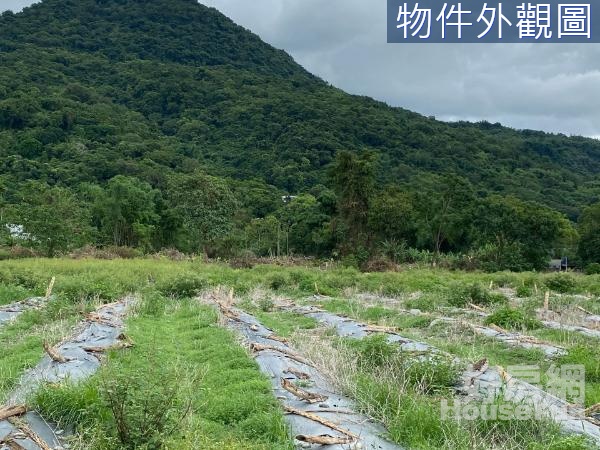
(460, 295)
(514, 319)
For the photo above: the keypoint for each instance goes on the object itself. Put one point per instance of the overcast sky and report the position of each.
(553, 87)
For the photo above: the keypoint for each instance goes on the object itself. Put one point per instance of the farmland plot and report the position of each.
(279, 358)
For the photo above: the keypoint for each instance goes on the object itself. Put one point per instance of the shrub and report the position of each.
(188, 285)
(153, 304)
(592, 269)
(277, 281)
(586, 355)
(432, 375)
(375, 351)
(18, 251)
(473, 293)
(512, 319)
(4, 254)
(80, 287)
(379, 265)
(123, 252)
(265, 304)
(524, 290)
(241, 263)
(172, 254)
(561, 282)
(427, 376)
(425, 302)
(146, 406)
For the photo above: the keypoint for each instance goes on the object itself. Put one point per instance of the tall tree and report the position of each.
(50, 218)
(589, 232)
(523, 234)
(126, 211)
(443, 205)
(303, 226)
(392, 216)
(206, 206)
(353, 178)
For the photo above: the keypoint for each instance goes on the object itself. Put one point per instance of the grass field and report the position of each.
(187, 383)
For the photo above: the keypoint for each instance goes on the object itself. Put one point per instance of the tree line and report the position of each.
(442, 219)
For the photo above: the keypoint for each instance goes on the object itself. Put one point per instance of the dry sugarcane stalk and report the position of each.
(21, 425)
(532, 340)
(325, 439)
(125, 338)
(50, 286)
(477, 308)
(310, 397)
(54, 354)
(117, 346)
(274, 337)
(297, 373)
(495, 327)
(95, 317)
(506, 377)
(11, 443)
(593, 420)
(481, 365)
(584, 310)
(227, 312)
(381, 329)
(11, 411)
(592, 409)
(318, 419)
(255, 347)
(547, 301)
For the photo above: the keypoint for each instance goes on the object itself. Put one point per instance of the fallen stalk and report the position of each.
(321, 420)
(255, 347)
(310, 397)
(11, 411)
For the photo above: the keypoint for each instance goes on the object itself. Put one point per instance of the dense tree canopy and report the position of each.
(164, 124)
(589, 230)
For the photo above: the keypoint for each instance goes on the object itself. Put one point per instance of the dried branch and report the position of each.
(54, 354)
(325, 439)
(310, 397)
(11, 411)
(255, 347)
(297, 373)
(322, 421)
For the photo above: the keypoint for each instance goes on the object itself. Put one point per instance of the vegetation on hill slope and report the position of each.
(163, 124)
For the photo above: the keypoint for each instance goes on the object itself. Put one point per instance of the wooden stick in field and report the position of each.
(50, 287)
(310, 397)
(325, 439)
(584, 310)
(322, 421)
(255, 347)
(11, 411)
(25, 429)
(54, 354)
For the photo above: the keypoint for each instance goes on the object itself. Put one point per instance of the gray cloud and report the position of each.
(553, 87)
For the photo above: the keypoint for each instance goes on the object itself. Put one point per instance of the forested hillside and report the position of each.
(161, 123)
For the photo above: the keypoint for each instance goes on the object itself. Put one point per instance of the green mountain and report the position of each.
(92, 89)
